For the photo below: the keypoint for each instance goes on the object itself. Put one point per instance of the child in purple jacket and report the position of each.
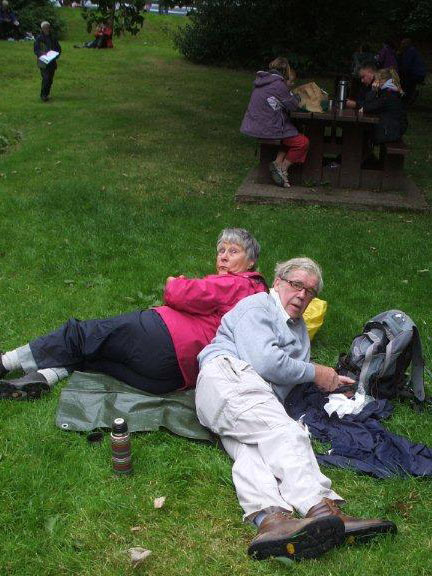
(267, 117)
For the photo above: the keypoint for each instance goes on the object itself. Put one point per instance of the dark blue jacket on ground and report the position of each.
(359, 442)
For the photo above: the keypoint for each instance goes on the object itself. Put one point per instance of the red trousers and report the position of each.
(296, 148)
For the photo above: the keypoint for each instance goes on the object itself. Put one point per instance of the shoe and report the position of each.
(355, 528)
(30, 386)
(276, 174)
(3, 370)
(281, 535)
(286, 183)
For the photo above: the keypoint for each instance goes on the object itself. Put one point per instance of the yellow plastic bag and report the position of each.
(314, 316)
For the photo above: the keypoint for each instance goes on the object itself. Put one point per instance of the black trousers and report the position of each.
(9, 30)
(135, 348)
(47, 80)
(409, 86)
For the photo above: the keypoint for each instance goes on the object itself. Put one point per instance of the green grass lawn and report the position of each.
(124, 178)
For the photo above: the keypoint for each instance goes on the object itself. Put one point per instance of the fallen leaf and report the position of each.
(159, 502)
(136, 529)
(404, 281)
(138, 555)
(51, 522)
(284, 560)
(424, 270)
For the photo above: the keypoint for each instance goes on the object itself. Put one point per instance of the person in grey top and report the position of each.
(260, 352)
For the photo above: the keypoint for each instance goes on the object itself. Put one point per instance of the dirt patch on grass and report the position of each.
(9, 138)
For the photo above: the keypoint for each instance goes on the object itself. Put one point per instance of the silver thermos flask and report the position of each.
(342, 93)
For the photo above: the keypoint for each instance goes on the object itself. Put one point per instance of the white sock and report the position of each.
(50, 375)
(10, 361)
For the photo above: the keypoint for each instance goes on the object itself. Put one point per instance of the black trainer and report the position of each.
(3, 370)
(28, 387)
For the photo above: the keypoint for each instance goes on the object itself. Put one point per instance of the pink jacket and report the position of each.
(193, 312)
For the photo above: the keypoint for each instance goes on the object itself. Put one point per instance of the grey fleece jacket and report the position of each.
(255, 331)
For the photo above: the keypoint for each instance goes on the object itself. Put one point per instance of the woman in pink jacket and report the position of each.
(154, 350)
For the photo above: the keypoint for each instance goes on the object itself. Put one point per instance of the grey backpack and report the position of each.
(380, 357)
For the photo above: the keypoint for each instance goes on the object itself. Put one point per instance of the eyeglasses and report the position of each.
(299, 286)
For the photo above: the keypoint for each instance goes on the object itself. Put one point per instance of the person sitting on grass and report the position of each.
(9, 24)
(260, 352)
(267, 117)
(103, 38)
(385, 100)
(153, 350)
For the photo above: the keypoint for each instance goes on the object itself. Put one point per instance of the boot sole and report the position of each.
(310, 542)
(30, 391)
(366, 534)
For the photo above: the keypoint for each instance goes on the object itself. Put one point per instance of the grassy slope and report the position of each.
(126, 177)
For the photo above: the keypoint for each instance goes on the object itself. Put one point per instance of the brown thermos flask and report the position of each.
(121, 447)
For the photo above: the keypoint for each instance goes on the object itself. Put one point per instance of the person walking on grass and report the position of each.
(267, 117)
(260, 352)
(44, 43)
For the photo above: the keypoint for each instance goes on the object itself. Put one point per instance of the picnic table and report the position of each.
(337, 152)
(337, 147)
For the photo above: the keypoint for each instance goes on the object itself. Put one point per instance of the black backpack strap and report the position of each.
(417, 367)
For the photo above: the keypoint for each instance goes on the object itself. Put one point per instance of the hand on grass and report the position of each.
(171, 278)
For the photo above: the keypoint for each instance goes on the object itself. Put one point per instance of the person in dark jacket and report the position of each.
(385, 100)
(267, 117)
(366, 74)
(43, 44)
(412, 70)
(9, 24)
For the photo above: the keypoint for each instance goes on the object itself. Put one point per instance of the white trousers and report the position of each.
(274, 464)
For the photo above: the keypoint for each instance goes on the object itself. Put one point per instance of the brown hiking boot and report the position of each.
(355, 528)
(282, 535)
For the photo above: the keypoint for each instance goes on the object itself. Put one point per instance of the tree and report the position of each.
(317, 35)
(124, 16)
(32, 13)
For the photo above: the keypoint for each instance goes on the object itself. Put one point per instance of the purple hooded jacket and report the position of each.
(386, 57)
(267, 115)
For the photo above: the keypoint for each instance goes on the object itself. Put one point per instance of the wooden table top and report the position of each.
(345, 115)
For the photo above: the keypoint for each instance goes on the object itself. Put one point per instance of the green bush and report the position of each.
(31, 13)
(318, 35)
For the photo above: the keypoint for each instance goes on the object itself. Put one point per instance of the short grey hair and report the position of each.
(45, 24)
(243, 238)
(307, 264)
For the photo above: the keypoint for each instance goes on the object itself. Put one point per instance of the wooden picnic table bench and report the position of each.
(393, 156)
(338, 144)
